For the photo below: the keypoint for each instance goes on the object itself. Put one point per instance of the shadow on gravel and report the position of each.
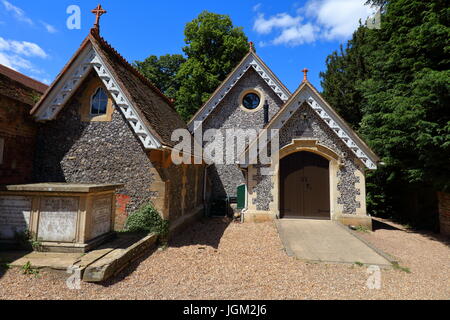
(3, 269)
(380, 225)
(377, 225)
(9, 256)
(205, 232)
(433, 236)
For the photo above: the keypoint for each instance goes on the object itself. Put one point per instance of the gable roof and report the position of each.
(251, 59)
(148, 111)
(306, 93)
(19, 87)
(23, 79)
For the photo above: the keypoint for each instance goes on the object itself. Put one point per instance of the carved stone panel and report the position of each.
(14, 215)
(58, 219)
(101, 216)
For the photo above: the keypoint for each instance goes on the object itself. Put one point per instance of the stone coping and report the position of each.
(61, 187)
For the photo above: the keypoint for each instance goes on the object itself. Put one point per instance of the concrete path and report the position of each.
(325, 241)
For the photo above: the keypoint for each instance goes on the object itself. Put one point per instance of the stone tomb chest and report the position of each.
(61, 217)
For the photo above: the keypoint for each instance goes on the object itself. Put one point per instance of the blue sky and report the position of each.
(288, 35)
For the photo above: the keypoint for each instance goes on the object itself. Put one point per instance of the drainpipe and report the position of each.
(205, 176)
(246, 196)
(266, 112)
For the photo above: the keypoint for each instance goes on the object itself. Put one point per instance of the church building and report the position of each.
(103, 122)
(319, 171)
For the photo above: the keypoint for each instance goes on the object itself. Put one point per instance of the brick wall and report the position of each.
(17, 132)
(444, 212)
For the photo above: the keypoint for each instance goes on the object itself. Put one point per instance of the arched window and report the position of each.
(99, 102)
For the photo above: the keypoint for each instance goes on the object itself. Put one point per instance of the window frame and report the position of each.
(259, 93)
(91, 103)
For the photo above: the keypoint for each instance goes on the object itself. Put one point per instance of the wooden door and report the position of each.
(304, 186)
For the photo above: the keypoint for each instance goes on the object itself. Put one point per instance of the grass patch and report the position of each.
(362, 229)
(397, 266)
(28, 269)
(359, 264)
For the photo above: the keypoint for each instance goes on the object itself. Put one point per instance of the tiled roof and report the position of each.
(157, 109)
(154, 108)
(23, 79)
(20, 87)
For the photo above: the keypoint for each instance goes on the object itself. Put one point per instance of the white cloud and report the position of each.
(338, 18)
(49, 27)
(257, 6)
(25, 48)
(18, 13)
(281, 20)
(297, 35)
(17, 54)
(318, 19)
(15, 62)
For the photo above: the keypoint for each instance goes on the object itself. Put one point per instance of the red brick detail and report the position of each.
(18, 132)
(122, 201)
(444, 212)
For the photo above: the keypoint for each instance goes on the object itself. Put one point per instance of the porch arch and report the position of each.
(311, 146)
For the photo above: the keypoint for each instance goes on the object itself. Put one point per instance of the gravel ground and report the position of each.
(216, 259)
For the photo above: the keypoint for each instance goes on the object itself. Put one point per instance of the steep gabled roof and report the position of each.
(306, 93)
(23, 79)
(19, 87)
(149, 112)
(250, 60)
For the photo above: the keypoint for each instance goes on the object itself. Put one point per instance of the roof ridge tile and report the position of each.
(130, 67)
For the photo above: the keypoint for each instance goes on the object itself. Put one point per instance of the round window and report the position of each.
(251, 101)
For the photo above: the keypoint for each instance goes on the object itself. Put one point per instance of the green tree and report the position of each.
(214, 46)
(345, 69)
(162, 72)
(403, 99)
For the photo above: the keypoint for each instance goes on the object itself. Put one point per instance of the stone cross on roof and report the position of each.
(99, 11)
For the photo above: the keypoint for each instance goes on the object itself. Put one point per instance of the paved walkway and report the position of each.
(325, 241)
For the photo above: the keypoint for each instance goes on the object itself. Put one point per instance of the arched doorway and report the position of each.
(304, 186)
